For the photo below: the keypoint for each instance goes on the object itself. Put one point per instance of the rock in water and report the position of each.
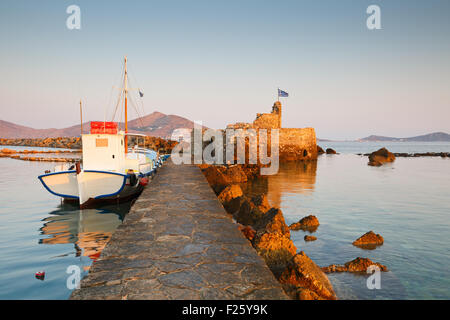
(380, 157)
(303, 273)
(276, 249)
(219, 177)
(369, 240)
(309, 223)
(361, 265)
(310, 238)
(320, 150)
(273, 221)
(261, 202)
(230, 192)
(330, 151)
(231, 198)
(357, 265)
(247, 213)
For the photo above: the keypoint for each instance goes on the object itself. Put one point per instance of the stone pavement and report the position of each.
(177, 242)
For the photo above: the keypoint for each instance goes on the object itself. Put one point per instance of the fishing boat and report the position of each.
(110, 169)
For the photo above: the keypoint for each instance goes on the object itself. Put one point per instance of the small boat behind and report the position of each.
(110, 170)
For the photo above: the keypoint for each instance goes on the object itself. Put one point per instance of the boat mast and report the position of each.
(125, 88)
(81, 118)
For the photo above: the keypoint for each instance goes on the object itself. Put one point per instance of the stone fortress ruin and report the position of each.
(294, 143)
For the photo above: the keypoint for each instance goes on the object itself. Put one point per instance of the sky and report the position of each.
(221, 62)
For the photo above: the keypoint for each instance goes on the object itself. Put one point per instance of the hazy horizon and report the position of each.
(222, 62)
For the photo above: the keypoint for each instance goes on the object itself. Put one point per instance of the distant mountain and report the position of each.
(324, 140)
(431, 137)
(156, 124)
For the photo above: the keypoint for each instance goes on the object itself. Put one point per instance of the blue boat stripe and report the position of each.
(73, 171)
(115, 193)
(51, 191)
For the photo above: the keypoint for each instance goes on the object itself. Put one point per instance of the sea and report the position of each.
(407, 202)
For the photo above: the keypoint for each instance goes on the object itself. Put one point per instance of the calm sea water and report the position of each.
(407, 202)
(38, 233)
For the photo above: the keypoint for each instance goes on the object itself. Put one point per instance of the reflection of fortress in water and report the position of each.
(89, 230)
(293, 177)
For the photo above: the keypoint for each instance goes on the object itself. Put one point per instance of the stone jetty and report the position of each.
(177, 242)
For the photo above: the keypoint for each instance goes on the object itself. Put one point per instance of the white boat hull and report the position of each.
(90, 185)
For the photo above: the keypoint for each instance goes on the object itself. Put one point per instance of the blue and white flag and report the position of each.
(282, 93)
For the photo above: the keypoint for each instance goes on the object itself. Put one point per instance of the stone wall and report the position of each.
(295, 143)
(298, 144)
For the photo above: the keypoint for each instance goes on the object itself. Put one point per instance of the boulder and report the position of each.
(320, 150)
(230, 192)
(231, 198)
(273, 222)
(234, 173)
(276, 249)
(330, 151)
(303, 273)
(251, 170)
(247, 213)
(361, 265)
(309, 223)
(234, 205)
(220, 176)
(380, 157)
(369, 240)
(310, 238)
(261, 202)
(357, 265)
(247, 231)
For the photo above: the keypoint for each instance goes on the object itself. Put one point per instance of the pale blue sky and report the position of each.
(221, 62)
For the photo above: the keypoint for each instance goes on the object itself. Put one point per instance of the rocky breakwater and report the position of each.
(61, 142)
(266, 229)
(155, 143)
(417, 154)
(380, 157)
(26, 155)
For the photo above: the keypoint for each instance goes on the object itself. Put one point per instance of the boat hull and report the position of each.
(90, 186)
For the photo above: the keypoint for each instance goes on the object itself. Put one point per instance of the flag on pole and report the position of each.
(282, 93)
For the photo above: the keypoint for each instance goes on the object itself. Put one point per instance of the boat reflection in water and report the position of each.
(89, 230)
(292, 178)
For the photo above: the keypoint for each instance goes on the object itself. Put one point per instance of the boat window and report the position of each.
(101, 142)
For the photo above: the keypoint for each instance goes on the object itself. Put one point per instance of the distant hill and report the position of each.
(431, 137)
(156, 124)
(324, 140)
